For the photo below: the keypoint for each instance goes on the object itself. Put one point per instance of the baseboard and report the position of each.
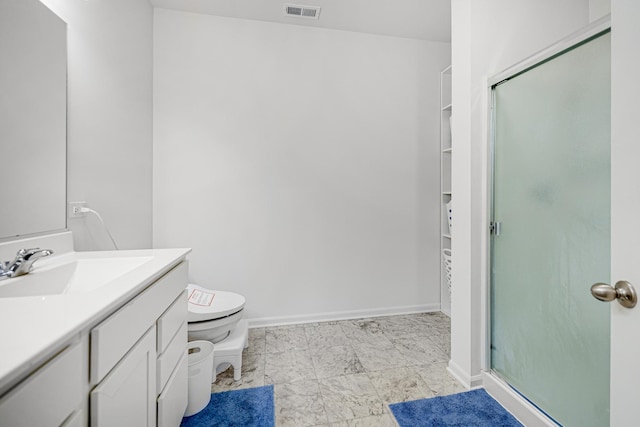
(519, 407)
(463, 377)
(260, 322)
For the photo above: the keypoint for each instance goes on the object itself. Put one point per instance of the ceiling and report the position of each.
(417, 19)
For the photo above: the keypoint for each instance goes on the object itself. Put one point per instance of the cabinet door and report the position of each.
(127, 395)
(55, 391)
(173, 401)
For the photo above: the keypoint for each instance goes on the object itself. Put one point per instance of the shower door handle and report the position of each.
(623, 292)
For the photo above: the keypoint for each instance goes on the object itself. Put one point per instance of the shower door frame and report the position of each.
(524, 410)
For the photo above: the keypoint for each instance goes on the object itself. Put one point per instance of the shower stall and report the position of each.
(550, 229)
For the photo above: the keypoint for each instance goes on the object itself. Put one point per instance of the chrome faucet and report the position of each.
(23, 262)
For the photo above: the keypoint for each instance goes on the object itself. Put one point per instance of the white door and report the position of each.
(625, 208)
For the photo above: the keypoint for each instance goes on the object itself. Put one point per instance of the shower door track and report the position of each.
(522, 408)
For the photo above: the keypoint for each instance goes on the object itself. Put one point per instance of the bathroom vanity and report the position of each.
(86, 338)
(94, 338)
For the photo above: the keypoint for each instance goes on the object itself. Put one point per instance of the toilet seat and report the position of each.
(204, 325)
(206, 305)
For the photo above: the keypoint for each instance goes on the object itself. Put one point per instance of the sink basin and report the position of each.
(75, 277)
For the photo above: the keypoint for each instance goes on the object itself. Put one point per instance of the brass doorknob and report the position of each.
(623, 292)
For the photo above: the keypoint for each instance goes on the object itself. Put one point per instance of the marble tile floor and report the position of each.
(344, 373)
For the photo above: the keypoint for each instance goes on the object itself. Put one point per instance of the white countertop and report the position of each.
(34, 328)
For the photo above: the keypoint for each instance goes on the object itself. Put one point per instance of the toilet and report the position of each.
(212, 314)
(215, 316)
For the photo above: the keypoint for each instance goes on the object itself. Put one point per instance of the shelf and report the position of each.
(446, 157)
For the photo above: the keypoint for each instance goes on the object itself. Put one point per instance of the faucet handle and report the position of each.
(33, 254)
(20, 255)
(25, 259)
(25, 251)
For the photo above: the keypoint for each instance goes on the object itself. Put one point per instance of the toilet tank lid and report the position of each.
(206, 304)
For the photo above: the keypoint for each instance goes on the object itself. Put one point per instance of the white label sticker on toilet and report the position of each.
(201, 298)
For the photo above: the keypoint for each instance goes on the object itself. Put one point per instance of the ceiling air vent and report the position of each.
(311, 12)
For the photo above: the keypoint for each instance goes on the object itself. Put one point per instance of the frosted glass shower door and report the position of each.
(551, 196)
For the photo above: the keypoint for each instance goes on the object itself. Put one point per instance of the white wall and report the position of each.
(598, 9)
(487, 37)
(109, 146)
(300, 164)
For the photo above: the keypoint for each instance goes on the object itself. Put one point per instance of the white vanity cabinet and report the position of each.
(138, 358)
(111, 352)
(128, 370)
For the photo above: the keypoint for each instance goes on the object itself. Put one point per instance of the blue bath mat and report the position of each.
(250, 407)
(472, 408)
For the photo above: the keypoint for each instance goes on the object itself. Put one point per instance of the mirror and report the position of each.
(33, 118)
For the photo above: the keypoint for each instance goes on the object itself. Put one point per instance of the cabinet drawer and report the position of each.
(173, 401)
(171, 321)
(113, 338)
(170, 358)
(54, 391)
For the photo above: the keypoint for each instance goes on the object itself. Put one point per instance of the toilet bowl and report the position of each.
(212, 315)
